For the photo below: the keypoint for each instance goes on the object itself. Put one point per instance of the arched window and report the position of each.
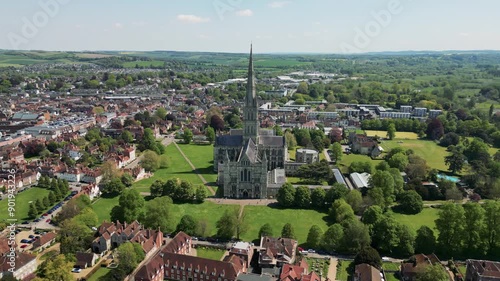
(241, 176)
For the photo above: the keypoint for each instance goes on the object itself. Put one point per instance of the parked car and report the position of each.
(25, 240)
(48, 221)
(24, 246)
(76, 270)
(31, 236)
(25, 222)
(311, 251)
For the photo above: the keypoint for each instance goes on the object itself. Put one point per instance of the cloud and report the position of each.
(118, 25)
(139, 23)
(191, 19)
(278, 4)
(464, 34)
(244, 13)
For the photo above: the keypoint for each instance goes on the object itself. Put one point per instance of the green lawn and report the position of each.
(399, 135)
(296, 180)
(414, 222)
(347, 159)
(391, 266)
(99, 273)
(342, 270)
(301, 220)
(23, 201)
(390, 276)
(202, 158)
(429, 150)
(207, 212)
(102, 207)
(209, 253)
(177, 168)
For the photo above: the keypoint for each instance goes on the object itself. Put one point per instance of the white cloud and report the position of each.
(139, 23)
(244, 13)
(278, 4)
(118, 25)
(464, 34)
(203, 36)
(191, 19)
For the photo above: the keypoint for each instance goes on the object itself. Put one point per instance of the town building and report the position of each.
(275, 252)
(366, 272)
(481, 270)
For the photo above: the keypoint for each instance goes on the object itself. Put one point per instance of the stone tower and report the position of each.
(251, 110)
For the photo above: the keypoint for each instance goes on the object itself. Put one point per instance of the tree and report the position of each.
(156, 188)
(332, 238)
(354, 198)
(161, 113)
(433, 273)
(130, 206)
(335, 135)
(226, 226)
(435, 129)
(336, 152)
(87, 217)
(369, 256)
(399, 161)
(291, 142)
(450, 139)
(474, 224)
(287, 231)
(318, 197)
(341, 212)
(189, 225)
(265, 230)
(360, 167)
(425, 242)
(127, 137)
(33, 211)
(376, 196)
(336, 191)
(185, 192)
(113, 186)
(201, 193)
(314, 237)
(109, 171)
(217, 123)
(385, 234)
(40, 207)
(148, 141)
(411, 202)
(450, 224)
(187, 136)
(127, 179)
(150, 161)
(406, 243)
(391, 131)
(356, 236)
(315, 172)
(456, 160)
(210, 134)
(286, 195)
(384, 181)
(372, 215)
(492, 229)
(158, 214)
(302, 197)
(58, 268)
(74, 237)
(127, 257)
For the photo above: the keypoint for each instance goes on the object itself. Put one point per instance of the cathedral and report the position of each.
(250, 162)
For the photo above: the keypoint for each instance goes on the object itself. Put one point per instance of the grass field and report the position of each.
(427, 217)
(390, 276)
(429, 150)
(342, 270)
(177, 168)
(391, 266)
(132, 64)
(209, 253)
(301, 220)
(347, 159)
(202, 158)
(99, 273)
(208, 212)
(296, 180)
(399, 135)
(102, 207)
(23, 201)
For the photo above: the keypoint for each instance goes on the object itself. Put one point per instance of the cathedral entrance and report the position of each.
(245, 194)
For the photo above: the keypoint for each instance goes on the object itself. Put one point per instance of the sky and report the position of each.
(282, 26)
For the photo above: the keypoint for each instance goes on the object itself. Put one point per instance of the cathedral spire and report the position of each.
(250, 81)
(250, 111)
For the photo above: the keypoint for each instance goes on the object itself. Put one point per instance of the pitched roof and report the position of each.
(366, 272)
(228, 140)
(274, 246)
(229, 269)
(179, 240)
(44, 239)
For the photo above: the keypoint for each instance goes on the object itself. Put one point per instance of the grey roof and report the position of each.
(255, 277)
(338, 176)
(227, 140)
(272, 140)
(250, 150)
(360, 180)
(236, 132)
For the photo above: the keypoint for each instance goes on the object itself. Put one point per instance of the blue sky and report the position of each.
(306, 26)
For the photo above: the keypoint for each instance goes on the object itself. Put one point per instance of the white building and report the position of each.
(395, 115)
